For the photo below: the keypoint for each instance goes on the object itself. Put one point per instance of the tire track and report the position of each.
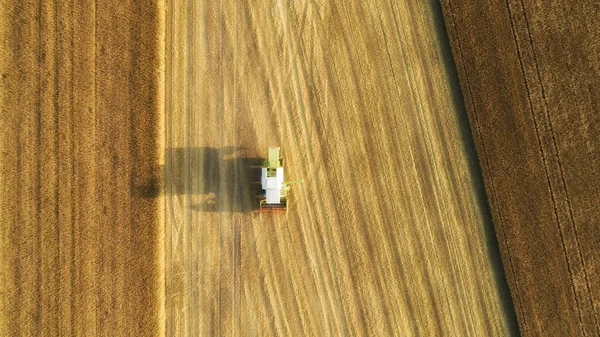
(331, 265)
(305, 128)
(395, 81)
(289, 132)
(371, 145)
(286, 108)
(415, 98)
(190, 293)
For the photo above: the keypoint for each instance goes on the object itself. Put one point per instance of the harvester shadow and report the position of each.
(216, 179)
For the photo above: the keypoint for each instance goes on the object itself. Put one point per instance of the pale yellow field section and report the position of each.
(388, 235)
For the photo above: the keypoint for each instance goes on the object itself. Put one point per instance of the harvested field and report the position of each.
(388, 235)
(80, 110)
(531, 78)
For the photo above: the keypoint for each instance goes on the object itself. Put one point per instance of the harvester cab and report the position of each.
(274, 194)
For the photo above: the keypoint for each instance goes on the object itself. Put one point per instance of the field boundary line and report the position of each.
(490, 181)
(58, 49)
(237, 197)
(72, 150)
(39, 162)
(222, 108)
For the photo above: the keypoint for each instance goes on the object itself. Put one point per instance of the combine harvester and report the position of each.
(274, 194)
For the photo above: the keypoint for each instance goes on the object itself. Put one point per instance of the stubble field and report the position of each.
(388, 235)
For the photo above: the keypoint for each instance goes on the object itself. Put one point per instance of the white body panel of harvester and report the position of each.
(273, 197)
(273, 185)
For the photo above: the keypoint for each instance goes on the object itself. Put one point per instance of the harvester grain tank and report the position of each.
(275, 190)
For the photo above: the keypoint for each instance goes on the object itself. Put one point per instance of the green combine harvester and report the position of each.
(274, 195)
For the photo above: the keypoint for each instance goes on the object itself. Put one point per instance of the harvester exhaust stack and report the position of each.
(274, 196)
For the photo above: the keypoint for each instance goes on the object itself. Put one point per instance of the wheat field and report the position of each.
(81, 236)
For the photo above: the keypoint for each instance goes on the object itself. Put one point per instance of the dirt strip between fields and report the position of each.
(530, 75)
(80, 121)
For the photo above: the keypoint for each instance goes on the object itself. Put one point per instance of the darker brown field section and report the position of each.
(79, 242)
(530, 76)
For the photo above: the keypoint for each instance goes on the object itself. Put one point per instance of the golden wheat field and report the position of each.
(130, 139)
(81, 240)
(388, 234)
